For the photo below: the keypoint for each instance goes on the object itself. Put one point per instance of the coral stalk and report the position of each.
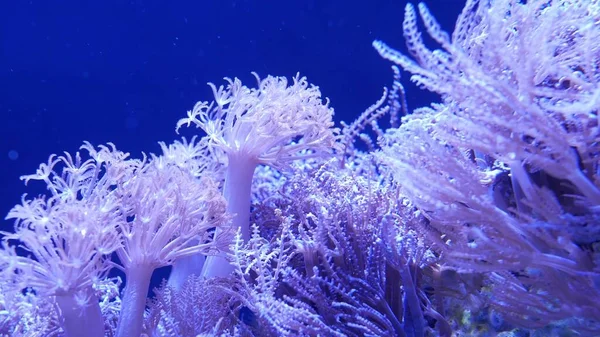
(80, 319)
(237, 192)
(134, 301)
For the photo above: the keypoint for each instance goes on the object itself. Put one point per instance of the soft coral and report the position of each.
(273, 124)
(68, 235)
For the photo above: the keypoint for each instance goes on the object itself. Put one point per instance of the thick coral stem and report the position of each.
(238, 193)
(134, 301)
(78, 318)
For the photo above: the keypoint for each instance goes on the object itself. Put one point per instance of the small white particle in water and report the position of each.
(13, 155)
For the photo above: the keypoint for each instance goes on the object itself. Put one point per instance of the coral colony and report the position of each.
(478, 215)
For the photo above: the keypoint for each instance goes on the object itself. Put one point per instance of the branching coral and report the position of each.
(506, 167)
(520, 82)
(198, 306)
(327, 269)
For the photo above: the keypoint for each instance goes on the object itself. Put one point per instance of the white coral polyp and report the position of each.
(271, 124)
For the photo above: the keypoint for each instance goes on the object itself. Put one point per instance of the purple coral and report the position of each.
(484, 203)
(272, 124)
(506, 166)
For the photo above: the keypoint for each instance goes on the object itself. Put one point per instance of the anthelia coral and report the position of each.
(147, 212)
(68, 235)
(170, 215)
(474, 216)
(272, 124)
(506, 166)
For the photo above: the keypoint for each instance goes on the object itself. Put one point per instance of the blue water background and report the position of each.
(126, 71)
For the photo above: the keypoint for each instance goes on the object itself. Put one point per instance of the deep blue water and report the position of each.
(126, 71)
